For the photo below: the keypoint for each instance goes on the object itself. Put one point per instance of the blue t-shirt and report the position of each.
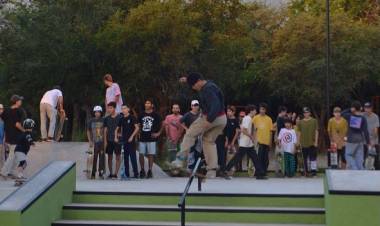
(1, 131)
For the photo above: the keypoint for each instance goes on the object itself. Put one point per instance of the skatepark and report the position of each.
(58, 193)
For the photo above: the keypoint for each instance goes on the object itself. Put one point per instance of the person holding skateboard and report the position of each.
(50, 102)
(95, 135)
(128, 128)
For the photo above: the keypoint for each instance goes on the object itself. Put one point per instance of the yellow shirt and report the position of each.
(337, 131)
(263, 127)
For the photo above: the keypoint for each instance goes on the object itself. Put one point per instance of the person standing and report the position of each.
(95, 135)
(246, 146)
(13, 129)
(110, 145)
(128, 128)
(287, 140)
(231, 133)
(308, 137)
(150, 124)
(186, 122)
(279, 154)
(2, 136)
(263, 128)
(357, 136)
(373, 129)
(174, 131)
(113, 92)
(211, 123)
(337, 129)
(50, 102)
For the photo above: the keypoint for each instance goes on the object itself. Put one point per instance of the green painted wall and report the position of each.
(45, 209)
(352, 210)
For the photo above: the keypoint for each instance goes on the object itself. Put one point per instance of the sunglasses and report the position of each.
(195, 105)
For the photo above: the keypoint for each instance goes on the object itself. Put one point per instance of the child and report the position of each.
(95, 135)
(24, 141)
(128, 127)
(287, 140)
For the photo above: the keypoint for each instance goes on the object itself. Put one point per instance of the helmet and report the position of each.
(98, 108)
(28, 124)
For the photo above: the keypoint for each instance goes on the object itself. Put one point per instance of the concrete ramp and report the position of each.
(43, 153)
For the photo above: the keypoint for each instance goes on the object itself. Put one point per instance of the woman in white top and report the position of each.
(113, 93)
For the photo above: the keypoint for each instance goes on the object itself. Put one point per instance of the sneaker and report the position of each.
(261, 178)
(101, 176)
(150, 174)
(93, 177)
(110, 177)
(114, 177)
(142, 174)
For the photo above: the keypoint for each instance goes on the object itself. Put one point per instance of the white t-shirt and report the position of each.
(111, 94)
(244, 140)
(51, 97)
(288, 139)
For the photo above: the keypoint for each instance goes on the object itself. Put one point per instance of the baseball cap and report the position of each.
(193, 78)
(306, 110)
(1, 106)
(16, 98)
(98, 108)
(194, 102)
(368, 105)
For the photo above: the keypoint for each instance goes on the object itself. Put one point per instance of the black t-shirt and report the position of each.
(11, 117)
(24, 141)
(280, 123)
(149, 123)
(189, 118)
(127, 125)
(111, 124)
(230, 130)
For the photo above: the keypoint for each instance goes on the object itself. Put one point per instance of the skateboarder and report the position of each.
(211, 123)
(50, 102)
(95, 135)
(24, 141)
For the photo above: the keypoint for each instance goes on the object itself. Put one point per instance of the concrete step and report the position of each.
(142, 223)
(171, 213)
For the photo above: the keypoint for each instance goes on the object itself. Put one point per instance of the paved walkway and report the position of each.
(237, 185)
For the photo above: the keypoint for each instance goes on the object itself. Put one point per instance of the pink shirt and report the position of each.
(173, 127)
(111, 94)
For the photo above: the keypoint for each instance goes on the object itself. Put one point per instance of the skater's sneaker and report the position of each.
(142, 174)
(110, 177)
(261, 178)
(114, 177)
(92, 176)
(101, 176)
(150, 174)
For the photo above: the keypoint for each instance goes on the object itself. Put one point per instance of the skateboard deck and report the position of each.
(61, 119)
(89, 163)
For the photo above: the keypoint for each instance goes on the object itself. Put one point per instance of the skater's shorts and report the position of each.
(147, 148)
(113, 147)
(20, 159)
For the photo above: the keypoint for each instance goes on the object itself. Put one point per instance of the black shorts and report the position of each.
(113, 147)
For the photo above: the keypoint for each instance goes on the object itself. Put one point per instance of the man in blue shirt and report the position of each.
(211, 123)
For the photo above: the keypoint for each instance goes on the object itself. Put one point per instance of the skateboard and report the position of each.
(59, 126)
(89, 163)
(19, 182)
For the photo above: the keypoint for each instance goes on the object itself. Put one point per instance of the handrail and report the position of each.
(182, 202)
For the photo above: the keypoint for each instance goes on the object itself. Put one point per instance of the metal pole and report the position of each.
(183, 216)
(328, 57)
(199, 184)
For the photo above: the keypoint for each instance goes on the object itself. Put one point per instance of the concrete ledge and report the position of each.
(40, 200)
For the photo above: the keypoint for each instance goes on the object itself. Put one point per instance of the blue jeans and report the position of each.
(130, 153)
(355, 156)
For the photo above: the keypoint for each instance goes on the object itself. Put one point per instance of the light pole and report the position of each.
(328, 56)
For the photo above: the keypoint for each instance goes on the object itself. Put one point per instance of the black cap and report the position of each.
(16, 98)
(368, 105)
(306, 110)
(192, 78)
